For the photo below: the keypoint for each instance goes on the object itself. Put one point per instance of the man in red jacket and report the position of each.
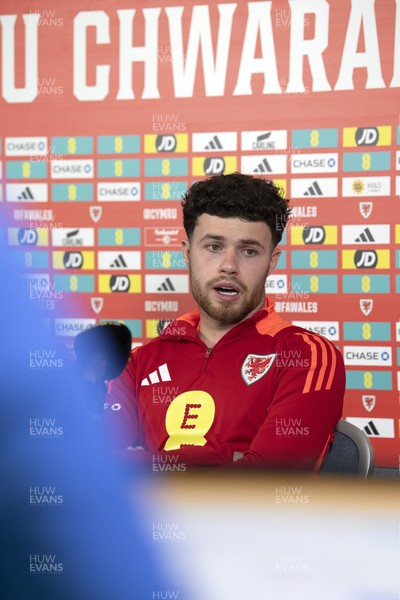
(231, 383)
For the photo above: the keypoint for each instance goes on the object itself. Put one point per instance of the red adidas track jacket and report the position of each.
(268, 393)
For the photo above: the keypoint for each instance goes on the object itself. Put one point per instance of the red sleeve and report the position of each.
(120, 415)
(307, 404)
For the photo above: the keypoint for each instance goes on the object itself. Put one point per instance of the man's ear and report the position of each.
(274, 260)
(186, 250)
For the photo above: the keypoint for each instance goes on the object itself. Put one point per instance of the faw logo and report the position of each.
(95, 213)
(365, 259)
(367, 136)
(256, 366)
(97, 304)
(369, 402)
(214, 166)
(165, 143)
(366, 306)
(365, 209)
(314, 235)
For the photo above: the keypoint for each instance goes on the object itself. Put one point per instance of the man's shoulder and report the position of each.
(321, 350)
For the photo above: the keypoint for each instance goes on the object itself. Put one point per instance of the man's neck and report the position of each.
(211, 331)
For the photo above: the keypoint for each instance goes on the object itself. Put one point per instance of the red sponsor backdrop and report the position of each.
(309, 97)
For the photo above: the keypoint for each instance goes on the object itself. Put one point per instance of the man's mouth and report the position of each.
(227, 289)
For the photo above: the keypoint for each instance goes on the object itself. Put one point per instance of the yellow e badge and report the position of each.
(189, 417)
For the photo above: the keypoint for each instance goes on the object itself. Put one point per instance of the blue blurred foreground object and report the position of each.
(71, 528)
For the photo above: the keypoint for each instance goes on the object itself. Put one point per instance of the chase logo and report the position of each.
(329, 329)
(71, 327)
(367, 136)
(72, 169)
(127, 191)
(313, 235)
(276, 284)
(26, 146)
(316, 163)
(367, 355)
(366, 259)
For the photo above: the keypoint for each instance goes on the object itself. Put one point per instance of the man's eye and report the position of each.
(250, 252)
(213, 247)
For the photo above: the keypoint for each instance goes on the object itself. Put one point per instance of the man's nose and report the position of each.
(229, 263)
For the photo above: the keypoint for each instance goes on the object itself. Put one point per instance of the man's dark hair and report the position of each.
(237, 195)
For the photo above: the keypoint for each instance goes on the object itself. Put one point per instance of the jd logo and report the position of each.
(367, 136)
(365, 259)
(119, 283)
(73, 260)
(214, 166)
(165, 143)
(313, 235)
(27, 237)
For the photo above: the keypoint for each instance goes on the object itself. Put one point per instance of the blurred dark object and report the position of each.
(103, 350)
(102, 353)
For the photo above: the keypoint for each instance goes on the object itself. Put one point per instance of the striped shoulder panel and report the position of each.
(323, 363)
(272, 324)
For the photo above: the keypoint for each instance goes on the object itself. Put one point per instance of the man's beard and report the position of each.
(226, 313)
